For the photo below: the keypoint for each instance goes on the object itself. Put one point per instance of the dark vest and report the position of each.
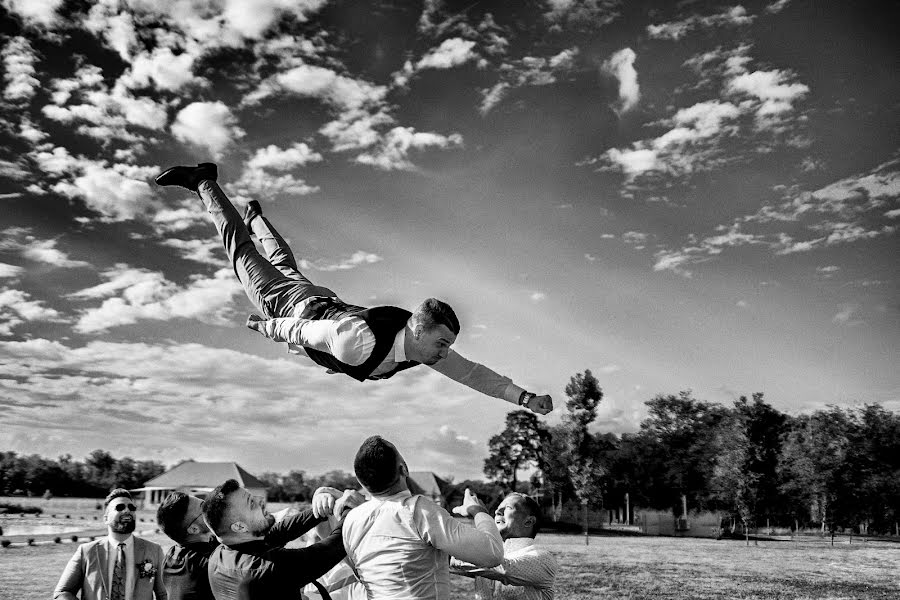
(384, 321)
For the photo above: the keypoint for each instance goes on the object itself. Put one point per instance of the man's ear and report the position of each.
(193, 529)
(529, 521)
(239, 527)
(417, 330)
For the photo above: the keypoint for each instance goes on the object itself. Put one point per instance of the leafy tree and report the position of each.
(814, 465)
(517, 447)
(680, 435)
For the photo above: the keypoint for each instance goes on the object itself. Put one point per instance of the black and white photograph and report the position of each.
(449, 300)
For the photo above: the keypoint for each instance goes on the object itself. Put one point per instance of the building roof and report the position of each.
(426, 483)
(204, 474)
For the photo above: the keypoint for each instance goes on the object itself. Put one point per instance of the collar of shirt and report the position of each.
(399, 351)
(513, 544)
(113, 544)
(397, 496)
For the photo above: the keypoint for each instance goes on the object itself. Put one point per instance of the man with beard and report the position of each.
(181, 518)
(119, 566)
(251, 563)
(528, 572)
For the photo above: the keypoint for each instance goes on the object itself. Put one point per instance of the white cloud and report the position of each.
(257, 184)
(675, 30)
(528, 71)
(621, 66)
(610, 369)
(252, 19)
(104, 114)
(209, 125)
(35, 12)
(163, 68)
(845, 314)
(393, 151)
(581, 13)
(274, 158)
(8, 271)
(356, 259)
(688, 146)
(893, 214)
(741, 304)
(204, 251)
(537, 296)
(828, 270)
(771, 88)
(17, 307)
(451, 53)
(635, 238)
(20, 239)
(118, 193)
(309, 81)
(134, 294)
(777, 6)
(19, 78)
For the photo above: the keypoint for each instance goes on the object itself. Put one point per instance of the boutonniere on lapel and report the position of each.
(146, 569)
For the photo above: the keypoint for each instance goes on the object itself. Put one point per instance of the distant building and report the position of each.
(197, 479)
(428, 484)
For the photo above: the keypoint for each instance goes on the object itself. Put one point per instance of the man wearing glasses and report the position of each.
(181, 518)
(119, 566)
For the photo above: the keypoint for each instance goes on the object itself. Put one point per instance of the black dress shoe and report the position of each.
(188, 177)
(253, 210)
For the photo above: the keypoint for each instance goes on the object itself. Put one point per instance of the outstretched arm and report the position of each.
(481, 545)
(484, 380)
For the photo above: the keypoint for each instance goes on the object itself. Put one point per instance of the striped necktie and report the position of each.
(118, 582)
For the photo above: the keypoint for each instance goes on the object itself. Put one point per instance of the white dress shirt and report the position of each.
(528, 572)
(112, 548)
(399, 545)
(351, 341)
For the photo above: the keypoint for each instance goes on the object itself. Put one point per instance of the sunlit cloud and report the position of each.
(621, 66)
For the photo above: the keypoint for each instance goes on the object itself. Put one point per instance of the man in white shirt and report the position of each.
(363, 343)
(399, 544)
(528, 572)
(119, 566)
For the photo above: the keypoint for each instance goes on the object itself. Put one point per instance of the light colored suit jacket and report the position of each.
(87, 573)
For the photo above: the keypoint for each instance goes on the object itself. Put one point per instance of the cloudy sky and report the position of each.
(693, 195)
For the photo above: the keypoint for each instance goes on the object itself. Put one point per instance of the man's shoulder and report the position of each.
(147, 547)
(89, 546)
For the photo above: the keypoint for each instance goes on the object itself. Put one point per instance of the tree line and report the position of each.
(833, 468)
(34, 475)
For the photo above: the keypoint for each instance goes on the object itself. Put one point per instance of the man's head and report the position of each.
(234, 514)
(518, 516)
(119, 511)
(181, 518)
(379, 466)
(434, 329)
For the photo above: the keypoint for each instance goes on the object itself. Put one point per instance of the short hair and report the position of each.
(375, 464)
(116, 493)
(215, 505)
(433, 312)
(532, 508)
(170, 515)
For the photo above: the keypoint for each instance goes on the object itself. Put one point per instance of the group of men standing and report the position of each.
(393, 545)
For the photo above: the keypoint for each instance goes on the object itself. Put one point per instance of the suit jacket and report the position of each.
(87, 573)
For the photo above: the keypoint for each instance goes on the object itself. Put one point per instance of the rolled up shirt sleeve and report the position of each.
(478, 377)
(480, 545)
(349, 340)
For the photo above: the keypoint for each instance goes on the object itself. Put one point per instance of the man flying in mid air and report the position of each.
(364, 343)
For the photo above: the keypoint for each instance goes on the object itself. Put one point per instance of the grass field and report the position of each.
(626, 567)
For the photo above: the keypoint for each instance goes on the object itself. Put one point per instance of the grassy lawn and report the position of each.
(627, 567)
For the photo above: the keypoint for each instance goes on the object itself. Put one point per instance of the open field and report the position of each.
(626, 567)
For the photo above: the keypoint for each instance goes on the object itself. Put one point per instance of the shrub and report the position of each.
(31, 541)
(5, 543)
(10, 508)
(57, 540)
(74, 538)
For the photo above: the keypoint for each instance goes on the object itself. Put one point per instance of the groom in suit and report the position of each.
(119, 566)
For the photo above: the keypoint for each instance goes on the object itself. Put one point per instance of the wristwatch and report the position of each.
(525, 398)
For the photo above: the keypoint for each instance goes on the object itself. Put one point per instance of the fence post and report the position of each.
(584, 506)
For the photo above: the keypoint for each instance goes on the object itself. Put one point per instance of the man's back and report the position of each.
(186, 571)
(399, 546)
